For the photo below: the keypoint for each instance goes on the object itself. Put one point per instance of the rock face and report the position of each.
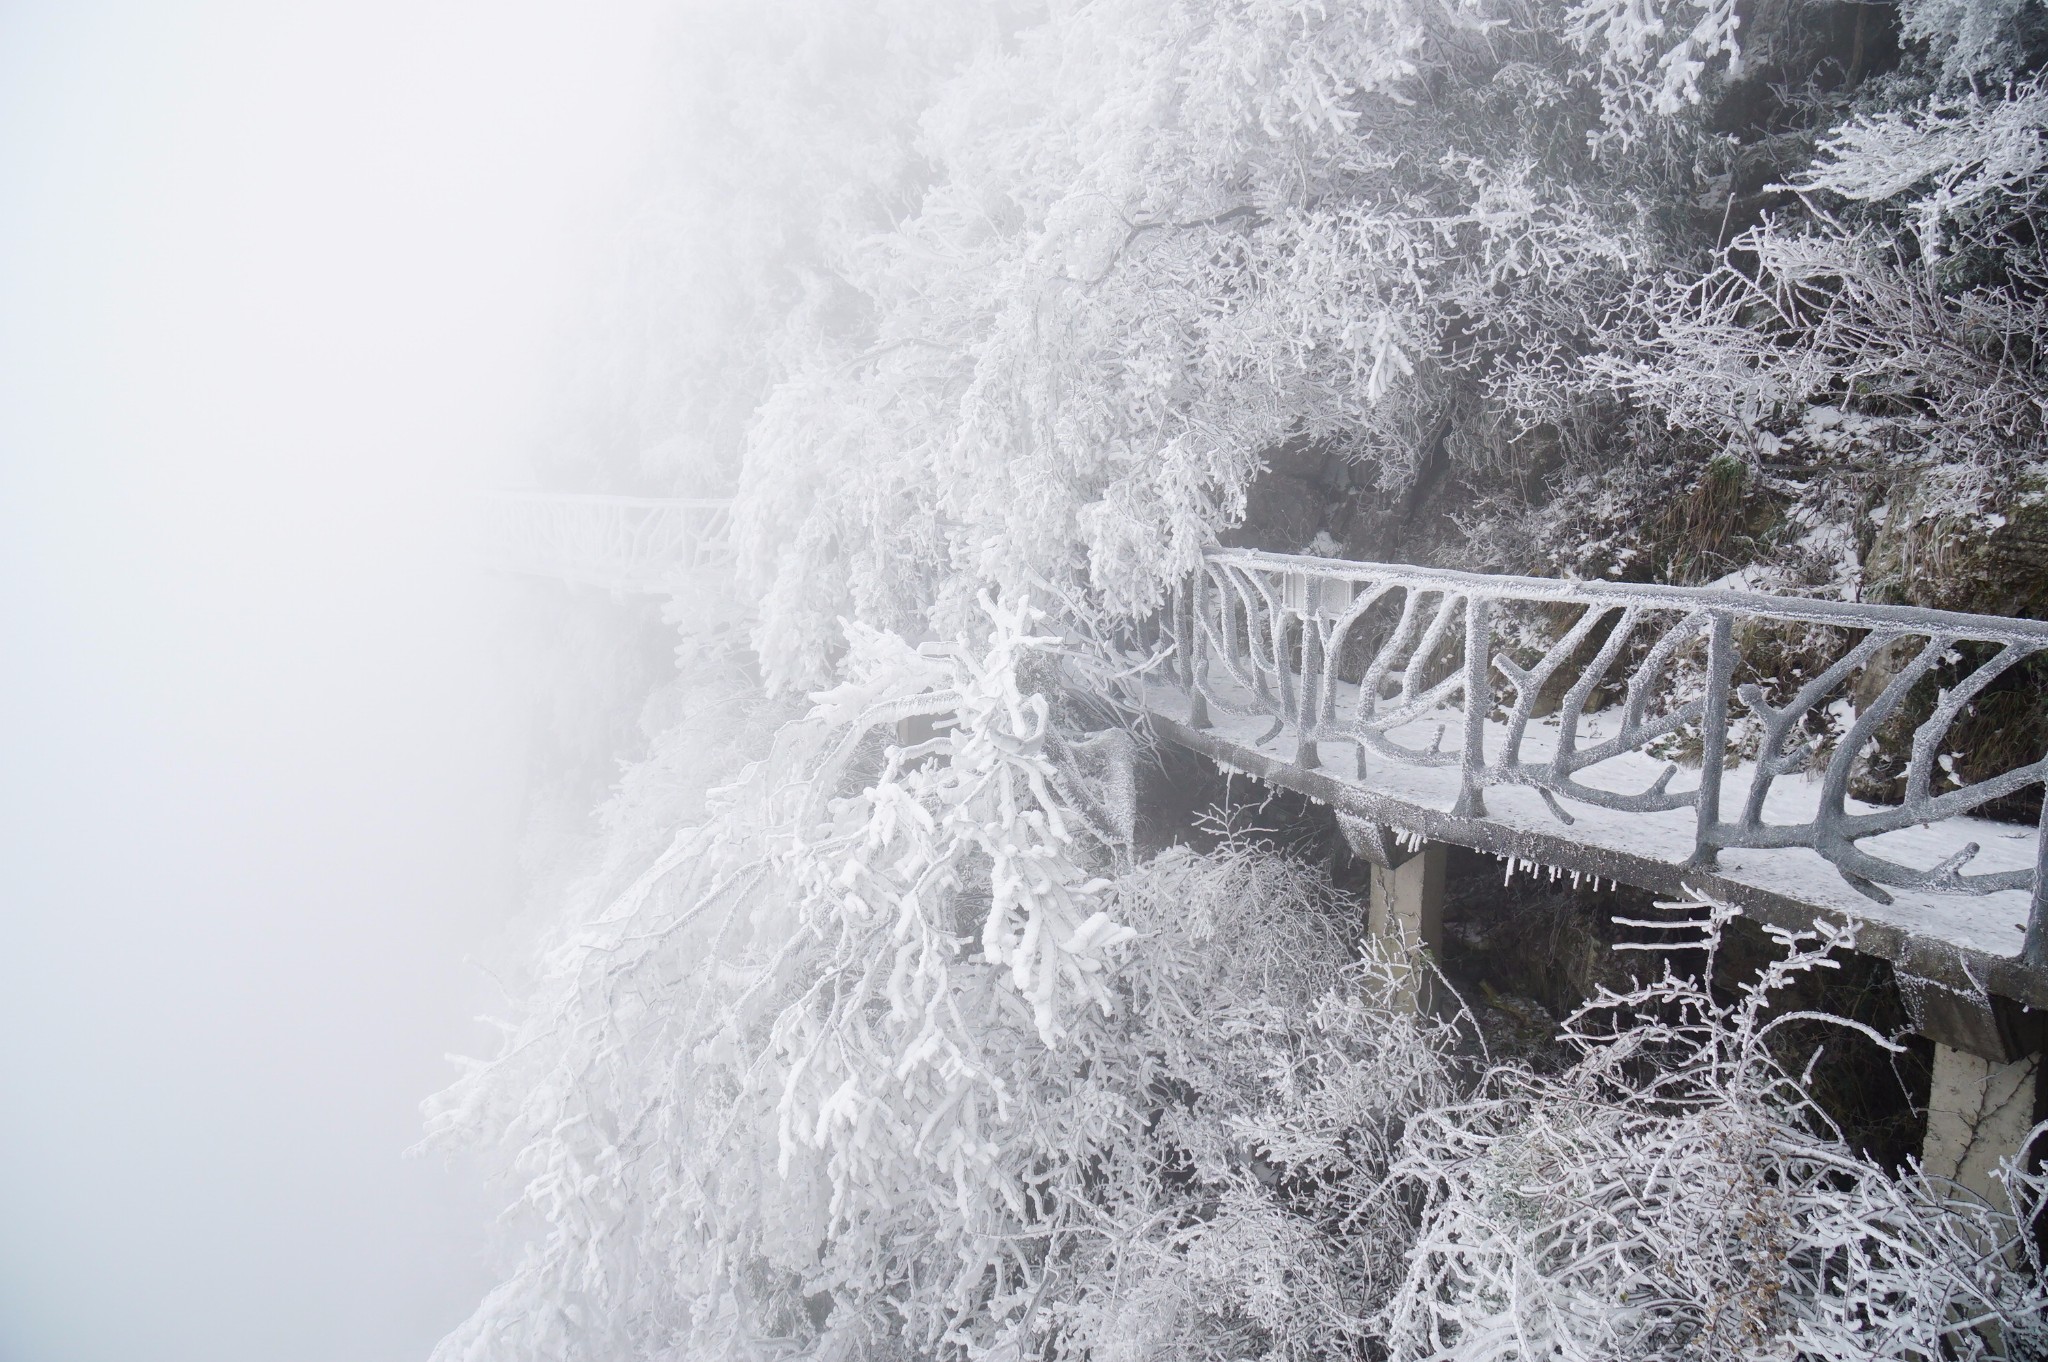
(1283, 513)
(1312, 494)
(1304, 492)
(1992, 561)
(1989, 561)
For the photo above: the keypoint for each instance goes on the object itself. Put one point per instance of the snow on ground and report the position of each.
(1994, 924)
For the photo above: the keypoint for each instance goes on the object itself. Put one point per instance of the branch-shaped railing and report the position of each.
(1534, 682)
(632, 544)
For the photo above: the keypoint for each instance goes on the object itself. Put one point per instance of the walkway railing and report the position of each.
(1619, 700)
(628, 544)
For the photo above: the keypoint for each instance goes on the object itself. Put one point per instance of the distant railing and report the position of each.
(627, 544)
(1520, 681)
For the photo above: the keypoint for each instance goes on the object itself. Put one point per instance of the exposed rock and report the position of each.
(1932, 551)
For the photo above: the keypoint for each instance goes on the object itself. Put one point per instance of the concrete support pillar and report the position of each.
(1407, 908)
(1978, 1111)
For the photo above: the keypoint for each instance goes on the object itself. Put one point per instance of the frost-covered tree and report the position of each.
(1160, 239)
(900, 1051)
(1907, 332)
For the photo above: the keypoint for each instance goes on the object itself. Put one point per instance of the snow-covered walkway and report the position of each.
(1612, 738)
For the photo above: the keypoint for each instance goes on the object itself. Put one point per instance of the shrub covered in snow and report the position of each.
(1676, 1193)
(900, 1052)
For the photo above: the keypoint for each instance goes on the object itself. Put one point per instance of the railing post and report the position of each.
(1713, 736)
(2035, 951)
(1309, 714)
(1478, 701)
(1405, 910)
(1191, 649)
(1286, 689)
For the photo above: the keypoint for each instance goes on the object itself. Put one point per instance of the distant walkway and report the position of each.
(629, 545)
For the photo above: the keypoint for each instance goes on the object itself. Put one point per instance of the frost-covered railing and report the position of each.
(619, 543)
(1521, 681)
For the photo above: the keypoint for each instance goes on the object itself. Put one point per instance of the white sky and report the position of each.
(274, 281)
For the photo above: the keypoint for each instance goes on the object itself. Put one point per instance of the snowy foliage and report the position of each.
(1905, 335)
(1676, 1193)
(1969, 39)
(1057, 280)
(1652, 56)
(1943, 162)
(900, 1050)
(1123, 160)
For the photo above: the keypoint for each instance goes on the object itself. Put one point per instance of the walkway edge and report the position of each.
(1957, 968)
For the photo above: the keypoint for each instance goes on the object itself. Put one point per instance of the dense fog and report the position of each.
(279, 282)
